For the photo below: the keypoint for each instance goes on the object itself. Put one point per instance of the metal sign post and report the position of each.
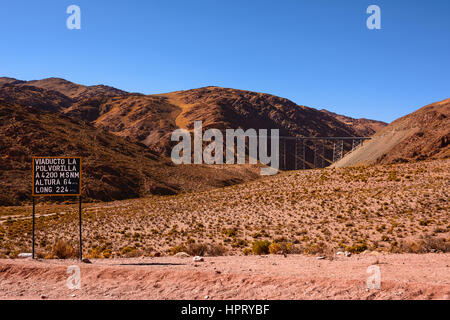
(79, 220)
(56, 176)
(32, 252)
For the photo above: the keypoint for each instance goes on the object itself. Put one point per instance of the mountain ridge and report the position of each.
(81, 95)
(363, 126)
(150, 119)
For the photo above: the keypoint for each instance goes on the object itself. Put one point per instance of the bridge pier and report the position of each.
(318, 154)
(356, 144)
(338, 150)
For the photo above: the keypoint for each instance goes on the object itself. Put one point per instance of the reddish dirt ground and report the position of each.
(403, 276)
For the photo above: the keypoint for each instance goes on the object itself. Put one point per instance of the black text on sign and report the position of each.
(53, 176)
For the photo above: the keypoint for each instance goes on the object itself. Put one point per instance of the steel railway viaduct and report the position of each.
(298, 153)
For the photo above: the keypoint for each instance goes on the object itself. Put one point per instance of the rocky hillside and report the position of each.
(217, 107)
(113, 167)
(150, 119)
(75, 91)
(423, 134)
(364, 127)
(30, 96)
(232, 108)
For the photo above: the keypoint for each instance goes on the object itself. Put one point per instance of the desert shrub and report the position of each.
(260, 247)
(94, 253)
(280, 247)
(409, 247)
(197, 249)
(316, 248)
(216, 250)
(40, 254)
(239, 243)
(129, 251)
(393, 176)
(260, 234)
(424, 222)
(106, 253)
(230, 232)
(357, 248)
(176, 249)
(275, 248)
(437, 244)
(349, 224)
(296, 249)
(63, 250)
(439, 230)
(427, 244)
(247, 251)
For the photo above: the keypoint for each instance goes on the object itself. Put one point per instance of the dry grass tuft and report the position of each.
(64, 250)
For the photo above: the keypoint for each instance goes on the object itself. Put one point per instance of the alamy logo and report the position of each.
(74, 20)
(74, 280)
(213, 153)
(374, 21)
(374, 280)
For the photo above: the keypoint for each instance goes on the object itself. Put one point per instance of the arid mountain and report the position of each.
(69, 89)
(147, 119)
(75, 91)
(7, 80)
(423, 134)
(150, 119)
(113, 167)
(232, 108)
(30, 96)
(364, 127)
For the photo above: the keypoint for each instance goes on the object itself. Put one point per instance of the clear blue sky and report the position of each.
(315, 52)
